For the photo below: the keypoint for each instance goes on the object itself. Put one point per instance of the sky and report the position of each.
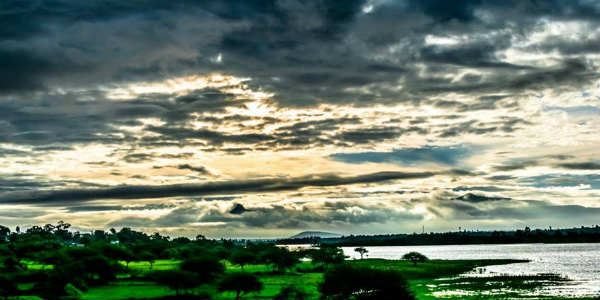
(266, 118)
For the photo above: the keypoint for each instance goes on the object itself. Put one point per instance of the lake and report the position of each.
(579, 262)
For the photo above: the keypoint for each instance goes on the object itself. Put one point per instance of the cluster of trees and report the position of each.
(526, 235)
(72, 262)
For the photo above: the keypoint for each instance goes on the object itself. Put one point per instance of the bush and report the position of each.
(291, 292)
(327, 255)
(178, 280)
(241, 283)
(346, 282)
(207, 268)
(7, 287)
(242, 257)
(415, 257)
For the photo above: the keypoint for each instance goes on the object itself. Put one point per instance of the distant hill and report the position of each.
(311, 234)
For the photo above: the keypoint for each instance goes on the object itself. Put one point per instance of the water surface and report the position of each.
(579, 262)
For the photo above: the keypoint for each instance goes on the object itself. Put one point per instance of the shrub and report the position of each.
(291, 292)
(178, 280)
(415, 257)
(7, 287)
(345, 282)
(241, 283)
(207, 268)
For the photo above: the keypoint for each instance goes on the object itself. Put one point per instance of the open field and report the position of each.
(435, 279)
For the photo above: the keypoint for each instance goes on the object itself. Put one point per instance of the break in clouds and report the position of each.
(253, 118)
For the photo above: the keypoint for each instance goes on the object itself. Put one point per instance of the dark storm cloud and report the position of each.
(376, 134)
(410, 156)
(262, 185)
(475, 198)
(306, 52)
(580, 165)
(338, 213)
(199, 169)
(271, 39)
(12, 152)
(487, 207)
(525, 211)
(277, 216)
(562, 180)
(487, 188)
(517, 165)
(99, 208)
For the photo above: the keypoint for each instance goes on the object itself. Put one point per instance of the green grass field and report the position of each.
(434, 279)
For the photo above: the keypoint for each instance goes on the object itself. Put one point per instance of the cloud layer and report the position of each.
(129, 113)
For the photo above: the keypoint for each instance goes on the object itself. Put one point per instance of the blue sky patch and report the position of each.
(450, 155)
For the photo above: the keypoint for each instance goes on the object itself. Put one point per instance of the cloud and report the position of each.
(200, 169)
(470, 197)
(580, 165)
(164, 191)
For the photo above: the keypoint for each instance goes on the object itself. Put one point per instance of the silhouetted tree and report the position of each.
(242, 257)
(12, 264)
(7, 287)
(4, 233)
(291, 292)
(327, 255)
(415, 257)
(361, 250)
(345, 282)
(177, 280)
(206, 268)
(147, 256)
(114, 252)
(280, 258)
(241, 283)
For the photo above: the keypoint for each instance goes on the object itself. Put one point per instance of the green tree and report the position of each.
(147, 256)
(415, 257)
(280, 258)
(12, 264)
(345, 282)
(178, 280)
(206, 268)
(327, 255)
(291, 292)
(362, 251)
(7, 287)
(241, 283)
(242, 257)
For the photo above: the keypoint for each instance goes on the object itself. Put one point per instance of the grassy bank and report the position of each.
(434, 279)
(303, 275)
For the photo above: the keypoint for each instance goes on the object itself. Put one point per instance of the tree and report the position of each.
(345, 282)
(147, 256)
(242, 258)
(12, 264)
(327, 255)
(206, 268)
(241, 283)
(280, 258)
(415, 257)
(94, 269)
(362, 251)
(4, 233)
(114, 252)
(178, 280)
(291, 292)
(7, 287)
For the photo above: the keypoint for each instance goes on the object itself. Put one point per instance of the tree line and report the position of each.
(72, 262)
(525, 236)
